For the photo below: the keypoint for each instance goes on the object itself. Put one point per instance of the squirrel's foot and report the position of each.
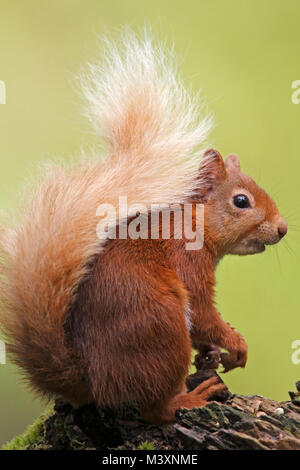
(205, 390)
(165, 412)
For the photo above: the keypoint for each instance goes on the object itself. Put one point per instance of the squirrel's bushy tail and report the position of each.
(155, 139)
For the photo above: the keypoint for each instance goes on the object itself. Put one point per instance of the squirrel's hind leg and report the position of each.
(164, 411)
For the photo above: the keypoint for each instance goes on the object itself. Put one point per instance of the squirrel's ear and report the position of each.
(232, 162)
(211, 171)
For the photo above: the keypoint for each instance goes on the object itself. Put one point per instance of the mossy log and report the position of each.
(234, 422)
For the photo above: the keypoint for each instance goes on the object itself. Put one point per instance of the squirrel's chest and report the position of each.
(197, 273)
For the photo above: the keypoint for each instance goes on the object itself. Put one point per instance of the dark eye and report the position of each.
(241, 201)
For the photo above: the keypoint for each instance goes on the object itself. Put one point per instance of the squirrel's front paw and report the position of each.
(237, 355)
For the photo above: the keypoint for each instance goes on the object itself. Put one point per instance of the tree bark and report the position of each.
(234, 422)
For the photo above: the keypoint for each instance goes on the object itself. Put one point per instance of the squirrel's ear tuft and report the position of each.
(211, 171)
(232, 162)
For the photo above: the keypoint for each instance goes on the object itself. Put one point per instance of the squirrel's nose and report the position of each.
(282, 228)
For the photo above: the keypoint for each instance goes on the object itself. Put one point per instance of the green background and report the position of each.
(244, 55)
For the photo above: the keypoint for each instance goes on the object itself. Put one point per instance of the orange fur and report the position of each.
(107, 321)
(154, 135)
(128, 323)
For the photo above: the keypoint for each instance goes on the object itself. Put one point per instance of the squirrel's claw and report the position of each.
(232, 360)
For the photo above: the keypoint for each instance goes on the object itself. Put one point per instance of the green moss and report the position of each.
(146, 446)
(31, 436)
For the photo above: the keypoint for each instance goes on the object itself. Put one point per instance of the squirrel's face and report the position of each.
(240, 217)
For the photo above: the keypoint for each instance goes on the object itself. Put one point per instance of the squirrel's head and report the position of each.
(240, 217)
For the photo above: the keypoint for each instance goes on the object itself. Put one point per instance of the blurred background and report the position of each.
(244, 56)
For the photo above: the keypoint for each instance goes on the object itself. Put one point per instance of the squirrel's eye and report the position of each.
(241, 201)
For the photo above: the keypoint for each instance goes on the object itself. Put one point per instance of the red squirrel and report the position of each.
(114, 321)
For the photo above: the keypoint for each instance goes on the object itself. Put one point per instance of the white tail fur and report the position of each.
(152, 125)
